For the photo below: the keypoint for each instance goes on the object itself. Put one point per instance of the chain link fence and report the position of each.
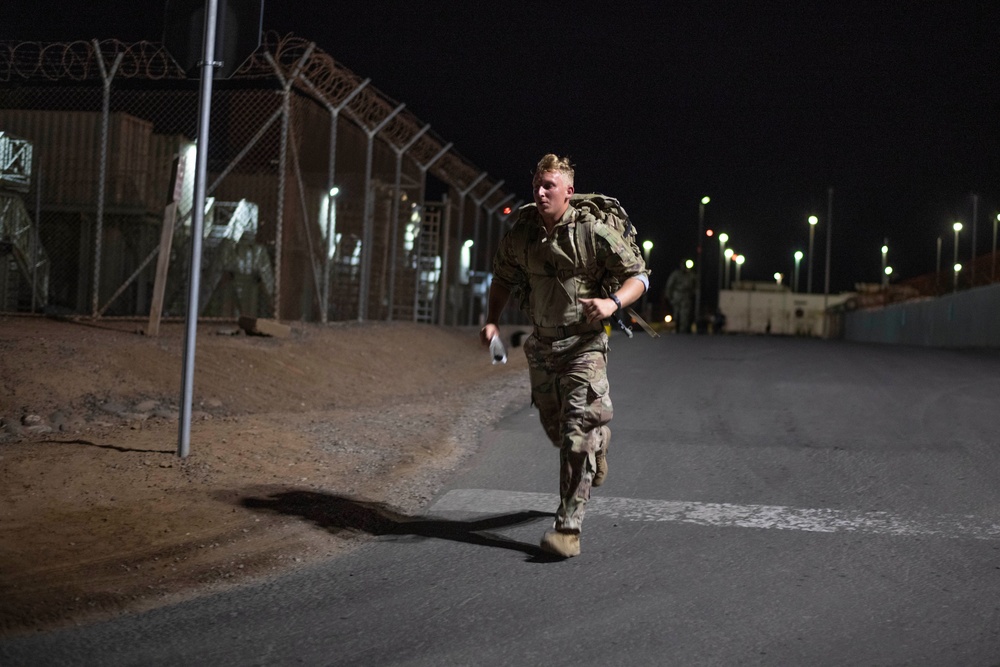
(316, 191)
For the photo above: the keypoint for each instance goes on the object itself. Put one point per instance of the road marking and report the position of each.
(775, 517)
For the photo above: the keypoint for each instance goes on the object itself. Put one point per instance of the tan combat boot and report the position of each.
(602, 458)
(562, 544)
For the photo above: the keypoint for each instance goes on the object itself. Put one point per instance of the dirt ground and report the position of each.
(297, 445)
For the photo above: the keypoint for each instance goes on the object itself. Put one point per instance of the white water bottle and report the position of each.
(497, 351)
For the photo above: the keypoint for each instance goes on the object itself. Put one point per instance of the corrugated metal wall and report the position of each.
(961, 319)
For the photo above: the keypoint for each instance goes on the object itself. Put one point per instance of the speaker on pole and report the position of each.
(238, 33)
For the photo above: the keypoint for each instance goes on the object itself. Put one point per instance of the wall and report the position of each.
(963, 319)
(761, 308)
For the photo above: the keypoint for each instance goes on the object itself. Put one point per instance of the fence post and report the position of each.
(461, 224)
(368, 232)
(423, 195)
(475, 241)
(395, 216)
(102, 172)
(286, 107)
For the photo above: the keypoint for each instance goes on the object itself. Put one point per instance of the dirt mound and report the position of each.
(100, 515)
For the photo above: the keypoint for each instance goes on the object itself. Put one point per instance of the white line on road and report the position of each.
(487, 501)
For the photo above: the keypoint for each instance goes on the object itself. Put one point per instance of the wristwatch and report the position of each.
(618, 302)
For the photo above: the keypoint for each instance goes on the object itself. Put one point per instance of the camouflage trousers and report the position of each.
(569, 386)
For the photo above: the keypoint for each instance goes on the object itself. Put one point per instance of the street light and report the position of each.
(957, 227)
(958, 267)
(698, 258)
(729, 255)
(739, 263)
(723, 239)
(798, 259)
(777, 277)
(809, 272)
(885, 252)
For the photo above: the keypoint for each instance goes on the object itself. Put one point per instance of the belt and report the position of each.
(568, 330)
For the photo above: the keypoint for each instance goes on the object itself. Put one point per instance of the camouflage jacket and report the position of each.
(549, 274)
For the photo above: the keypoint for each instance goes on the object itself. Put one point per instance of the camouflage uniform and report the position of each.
(567, 356)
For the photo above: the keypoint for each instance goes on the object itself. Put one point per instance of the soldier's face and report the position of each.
(552, 192)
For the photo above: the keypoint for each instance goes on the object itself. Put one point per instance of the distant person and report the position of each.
(719, 322)
(680, 291)
(554, 260)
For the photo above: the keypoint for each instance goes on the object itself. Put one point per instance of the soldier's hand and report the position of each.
(598, 309)
(487, 333)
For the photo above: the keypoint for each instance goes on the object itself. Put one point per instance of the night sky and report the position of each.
(763, 106)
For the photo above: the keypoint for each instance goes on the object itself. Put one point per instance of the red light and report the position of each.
(507, 210)
(709, 232)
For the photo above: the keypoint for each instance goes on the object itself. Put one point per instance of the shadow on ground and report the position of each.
(339, 513)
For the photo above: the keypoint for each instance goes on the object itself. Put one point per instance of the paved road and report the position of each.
(771, 501)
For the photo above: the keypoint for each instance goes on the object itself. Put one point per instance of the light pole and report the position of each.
(809, 271)
(739, 263)
(885, 252)
(728, 255)
(798, 260)
(698, 258)
(958, 267)
(937, 268)
(723, 239)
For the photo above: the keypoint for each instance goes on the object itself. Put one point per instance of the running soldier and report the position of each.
(555, 261)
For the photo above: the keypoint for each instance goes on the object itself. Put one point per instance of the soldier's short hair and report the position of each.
(552, 162)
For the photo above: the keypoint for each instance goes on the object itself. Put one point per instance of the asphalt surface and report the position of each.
(771, 501)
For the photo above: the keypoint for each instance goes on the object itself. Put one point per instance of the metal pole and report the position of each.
(957, 227)
(972, 258)
(102, 172)
(445, 249)
(461, 221)
(423, 195)
(885, 250)
(475, 242)
(368, 228)
(393, 240)
(197, 224)
(723, 238)
(809, 268)
(697, 285)
(829, 231)
(331, 213)
(937, 272)
(36, 239)
(283, 166)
